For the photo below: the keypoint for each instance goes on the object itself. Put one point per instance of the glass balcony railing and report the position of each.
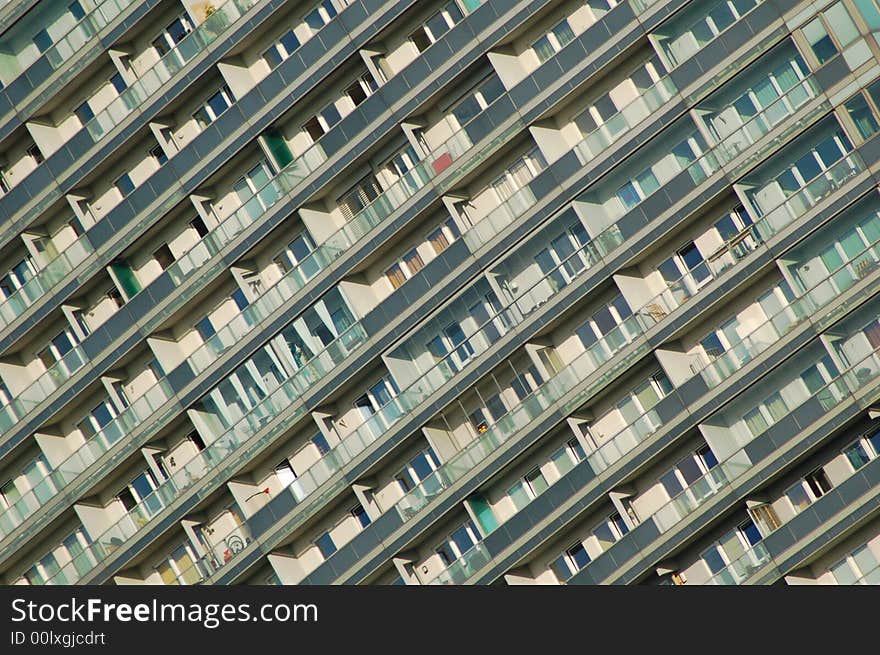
(830, 396)
(697, 175)
(742, 567)
(214, 459)
(548, 394)
(464, 567)
(54, 272)
(283, 184)
(611, 451)
(171, 63)
(642, 107)
(809, 195)
(702, 34)
(247, 320)
(41, 388)
(79, 35)
(749, 133)
(445, 369)
(87, 454)
(631, 436)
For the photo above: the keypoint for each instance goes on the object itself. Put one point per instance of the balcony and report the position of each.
(56, 271)
(630, 437)
(742, 568)
(172, 62)
(74, 41)
(135, 415)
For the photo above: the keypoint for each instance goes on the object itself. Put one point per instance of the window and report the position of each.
(361, 89)
(522, 171)
(156, 368)
(436, 26)
(565, 257)
(285, 473)
(76, 10)
(731, 547)
(34, 153)
(163, 256)
(43, 41)
(530, 486)
(862, 116)
(57, 348)
(361, 515)
(121, 395)
(765, 518)
(296, 255)
(863, 450)
(857, 455)
(79, 319)
(239, 299)
(526, 382)
(320, 123)
(834, 21)
(458, 543)
(408, 265)
(708, 27)
(606, 326)
(806, 491)
(9, 494)
(475, 101)
(199, 226)
(320, 442)
(572, 560)
(84, 112)
(116, 297)
(215, 105)
(140, 492)
(180, 567)
(321, 15)
(858, 566)
(417, 470)
(17, 277)
(257, 183)
(124, 184)
(281, 49)
(356, 199)
(555, 40)
(118, 82)
(610, 531)
(443, 236)
(205, 328)
(735, 229)
(97, 419)
(568, 456)
(172, 35)
(158, 155)
(46, 570)
(325, 545)
(687, 471)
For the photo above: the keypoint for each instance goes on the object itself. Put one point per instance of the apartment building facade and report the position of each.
(440, 292)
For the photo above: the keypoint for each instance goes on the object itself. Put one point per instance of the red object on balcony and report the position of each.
(442, 162)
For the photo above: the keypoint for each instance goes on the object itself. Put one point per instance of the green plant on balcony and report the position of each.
(215, 21)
